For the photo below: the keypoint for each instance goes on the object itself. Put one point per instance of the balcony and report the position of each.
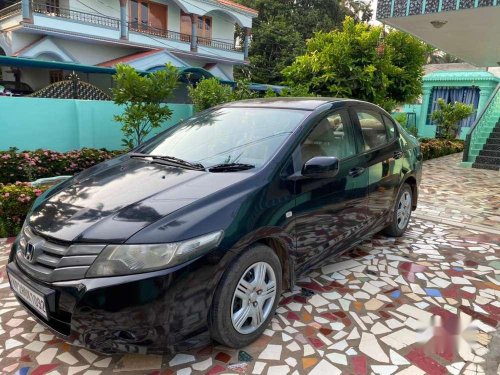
(10, 11)
(179, 37)
(74, 15)
(53, 17)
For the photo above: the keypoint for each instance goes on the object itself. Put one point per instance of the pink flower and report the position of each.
(6, 195)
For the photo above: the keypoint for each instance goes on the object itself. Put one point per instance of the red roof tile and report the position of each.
(232, 4)
(131, 57)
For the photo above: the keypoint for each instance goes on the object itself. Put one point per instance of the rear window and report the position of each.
(373, 129)
(391, 129)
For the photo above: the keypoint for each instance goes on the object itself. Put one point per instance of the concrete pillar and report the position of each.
(422, 123)
(123, 19)
(27, 11)
(484, 95)
(194, 32)
(246, 42)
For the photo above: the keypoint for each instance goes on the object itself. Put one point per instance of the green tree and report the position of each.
(448, 115)
(355, 63)
(275, 43)
(143, 97)
(209, 93)
(282, 28)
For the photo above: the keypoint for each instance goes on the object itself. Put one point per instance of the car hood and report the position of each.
(120, 198)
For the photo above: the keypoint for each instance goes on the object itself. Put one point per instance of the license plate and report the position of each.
(28, 295)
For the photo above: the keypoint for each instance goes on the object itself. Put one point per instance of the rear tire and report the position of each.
(401, 213)
(247, 296)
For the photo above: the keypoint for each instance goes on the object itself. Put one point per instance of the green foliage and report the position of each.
(283, 26)
(402, 119)
(32, 165)
(143, 98)
(296, 91)
(15, 202)
(435, 148)
(211, 92)
(448, 115)
(242, 91)
(348, 63)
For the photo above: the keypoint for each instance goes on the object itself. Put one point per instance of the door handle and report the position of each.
(355, 172)
(398, 154)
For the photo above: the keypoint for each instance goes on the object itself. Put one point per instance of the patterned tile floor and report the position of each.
(425, 303)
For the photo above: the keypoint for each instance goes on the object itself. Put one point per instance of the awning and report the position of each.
(42, 64)
(187, 74)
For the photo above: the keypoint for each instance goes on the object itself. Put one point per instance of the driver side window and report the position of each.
(330, 137)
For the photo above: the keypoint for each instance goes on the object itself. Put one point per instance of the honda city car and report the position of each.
(194, 235)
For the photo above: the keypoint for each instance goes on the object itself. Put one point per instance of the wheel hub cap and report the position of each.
(253, 298)
(403, 211)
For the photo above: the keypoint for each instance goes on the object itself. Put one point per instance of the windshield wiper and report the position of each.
(230, 167)
(170, 160)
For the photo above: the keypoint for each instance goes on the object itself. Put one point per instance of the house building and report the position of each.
(467, 29)
(146, 34)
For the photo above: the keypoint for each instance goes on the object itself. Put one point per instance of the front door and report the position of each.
(382, 152)
(329, 212)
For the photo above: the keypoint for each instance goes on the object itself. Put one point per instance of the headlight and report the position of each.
(118, 260)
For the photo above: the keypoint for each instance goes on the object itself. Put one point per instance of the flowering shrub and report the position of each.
(15, 202)
(434, 148)
(31, 165)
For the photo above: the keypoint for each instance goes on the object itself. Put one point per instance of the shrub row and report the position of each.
(15, 202)
(435, 148)
(31, 165)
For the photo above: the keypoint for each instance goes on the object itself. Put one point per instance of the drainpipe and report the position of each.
(27, 11)
(123, 19)
(246, 42)
(194, 32)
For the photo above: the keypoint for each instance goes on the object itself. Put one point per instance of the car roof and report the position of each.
(308, 103)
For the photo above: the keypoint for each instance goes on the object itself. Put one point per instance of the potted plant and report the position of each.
(448, 115)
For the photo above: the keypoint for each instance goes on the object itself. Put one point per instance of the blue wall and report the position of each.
(62, 125)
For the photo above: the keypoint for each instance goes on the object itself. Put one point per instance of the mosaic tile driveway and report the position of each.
(424, 303)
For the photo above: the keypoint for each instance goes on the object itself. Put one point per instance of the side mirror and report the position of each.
(321, 167)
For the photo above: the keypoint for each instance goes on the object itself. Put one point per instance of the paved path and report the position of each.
(425, 303)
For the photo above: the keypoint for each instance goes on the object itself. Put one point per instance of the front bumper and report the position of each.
(156, 312)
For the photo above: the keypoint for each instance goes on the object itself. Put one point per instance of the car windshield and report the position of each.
(228, 135)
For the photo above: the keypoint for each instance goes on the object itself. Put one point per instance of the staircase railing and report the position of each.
(479, 124)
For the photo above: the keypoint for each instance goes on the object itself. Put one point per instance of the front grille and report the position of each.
(51, 261)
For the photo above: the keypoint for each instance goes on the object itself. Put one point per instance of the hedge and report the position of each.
(435, 148)
(32, 165)
(15, 202)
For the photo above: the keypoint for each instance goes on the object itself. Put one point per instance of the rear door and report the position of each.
(329, 212)
(381, 151)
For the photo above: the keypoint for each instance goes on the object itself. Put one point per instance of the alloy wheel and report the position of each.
(404, 210)
(253, 298)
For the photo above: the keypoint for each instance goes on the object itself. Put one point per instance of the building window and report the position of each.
(56, 76)
(148, 16)
(204, 26)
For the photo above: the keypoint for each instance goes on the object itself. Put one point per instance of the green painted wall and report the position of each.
(485, 81)
(62, 125)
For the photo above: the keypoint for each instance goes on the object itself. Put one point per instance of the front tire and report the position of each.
(401, 212)
(246, 298)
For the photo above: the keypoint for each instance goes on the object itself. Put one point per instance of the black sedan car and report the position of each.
(194, 235)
